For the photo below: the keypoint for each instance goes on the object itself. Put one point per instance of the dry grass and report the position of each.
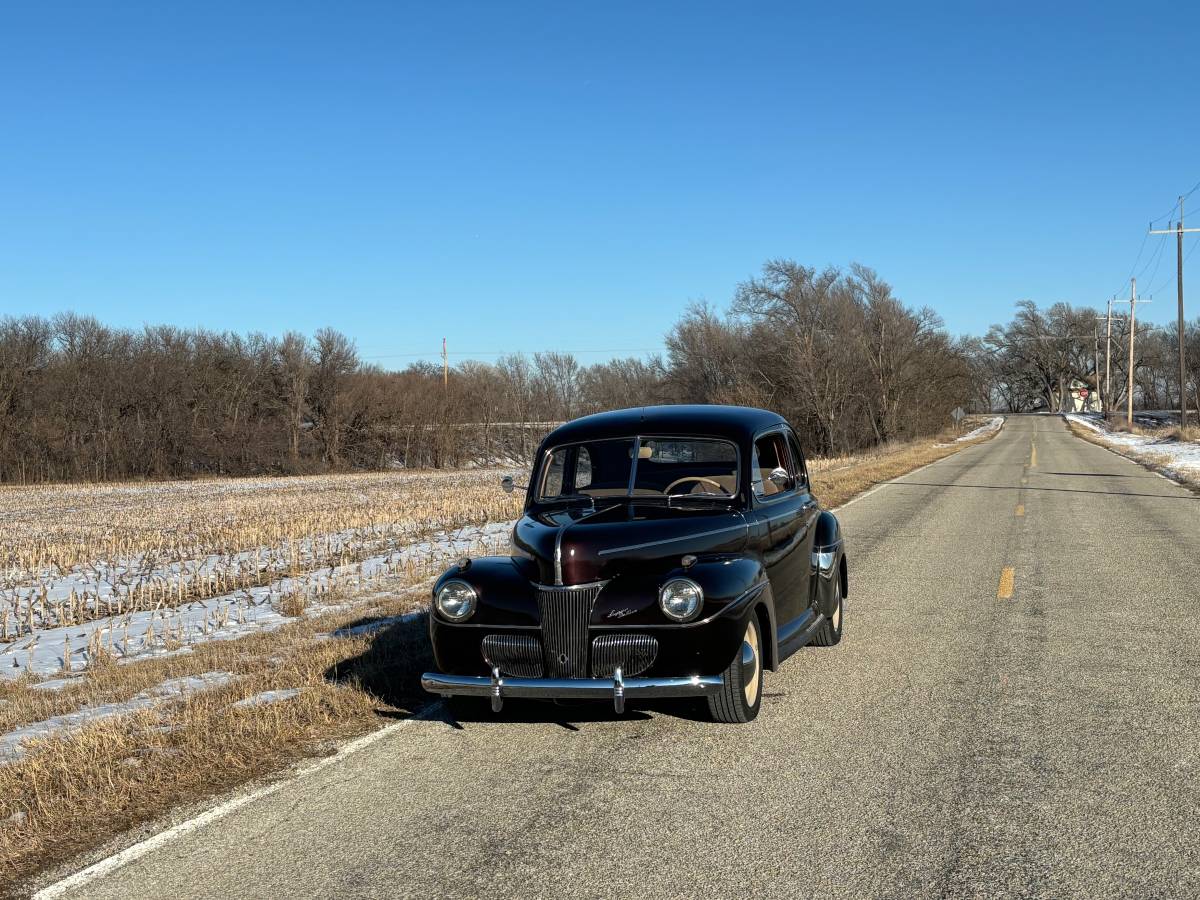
(74, 791)
(1190, 434)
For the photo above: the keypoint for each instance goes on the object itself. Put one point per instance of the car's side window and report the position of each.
(770, 453)
(799, 470)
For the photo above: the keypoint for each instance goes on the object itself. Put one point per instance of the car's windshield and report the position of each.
(640, 467)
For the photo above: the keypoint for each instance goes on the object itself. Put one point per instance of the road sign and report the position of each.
(958, 414)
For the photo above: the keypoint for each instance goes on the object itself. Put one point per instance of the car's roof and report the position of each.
(738, 423)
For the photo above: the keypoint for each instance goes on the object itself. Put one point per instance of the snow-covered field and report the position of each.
(134, 570)
(108, 574)
(1175, 458)
(155, 632)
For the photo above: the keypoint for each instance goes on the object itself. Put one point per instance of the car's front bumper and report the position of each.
(498, 687)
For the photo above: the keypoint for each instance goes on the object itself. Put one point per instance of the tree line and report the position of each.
(833, 350)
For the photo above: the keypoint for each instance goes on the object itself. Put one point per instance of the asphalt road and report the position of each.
(955, 743)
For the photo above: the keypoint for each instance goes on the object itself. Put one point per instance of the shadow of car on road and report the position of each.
(390, 670)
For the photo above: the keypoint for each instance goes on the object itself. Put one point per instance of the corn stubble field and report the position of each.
(160, 643)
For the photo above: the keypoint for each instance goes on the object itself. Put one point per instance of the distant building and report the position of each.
(1084, 397)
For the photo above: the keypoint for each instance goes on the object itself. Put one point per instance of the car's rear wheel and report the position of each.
(740, 695)
(831, 629)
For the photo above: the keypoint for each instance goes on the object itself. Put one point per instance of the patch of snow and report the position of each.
(12, 743)
(1177, 459)
(267, 697)
(1087, 422)
(176, 688)
(986, 428)
(54, 684)
(989, 427)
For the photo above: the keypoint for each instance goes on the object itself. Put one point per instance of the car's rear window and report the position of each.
(663, 466)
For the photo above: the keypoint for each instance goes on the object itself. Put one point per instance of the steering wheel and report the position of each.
(715, 484)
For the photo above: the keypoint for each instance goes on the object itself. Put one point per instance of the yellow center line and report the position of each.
(1020, 509)
(1032, 455)
(1005, 590)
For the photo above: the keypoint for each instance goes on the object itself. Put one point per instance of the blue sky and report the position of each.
(569, 176)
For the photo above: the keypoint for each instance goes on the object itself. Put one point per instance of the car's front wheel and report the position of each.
(740, 695)
(830, 632)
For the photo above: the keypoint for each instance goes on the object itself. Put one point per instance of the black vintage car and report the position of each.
(667, 551)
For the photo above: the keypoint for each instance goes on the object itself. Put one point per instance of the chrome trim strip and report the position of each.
(675, 540)
(583, 688)
(571, 587)
(558, 554)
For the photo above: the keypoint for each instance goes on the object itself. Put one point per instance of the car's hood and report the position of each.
(591, 545)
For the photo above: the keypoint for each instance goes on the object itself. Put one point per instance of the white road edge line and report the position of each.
(137, 851)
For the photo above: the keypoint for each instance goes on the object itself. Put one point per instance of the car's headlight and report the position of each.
(456, 600)
(823, 560)
(680, 599)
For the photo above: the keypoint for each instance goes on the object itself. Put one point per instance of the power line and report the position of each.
(1156, 259)
(1175, 205)
(1167, 280)
(1142, 248)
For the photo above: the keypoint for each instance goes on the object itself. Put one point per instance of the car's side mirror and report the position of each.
(780, 478)
(508, 485)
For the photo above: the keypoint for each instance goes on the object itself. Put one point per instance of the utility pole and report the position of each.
(1133, 302)
(1179, 233)
(445, 367)
(1108, 359)
(1101, 397)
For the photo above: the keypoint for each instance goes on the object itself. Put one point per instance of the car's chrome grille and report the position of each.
(518, 655)
(566, 612)
(634, 653)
